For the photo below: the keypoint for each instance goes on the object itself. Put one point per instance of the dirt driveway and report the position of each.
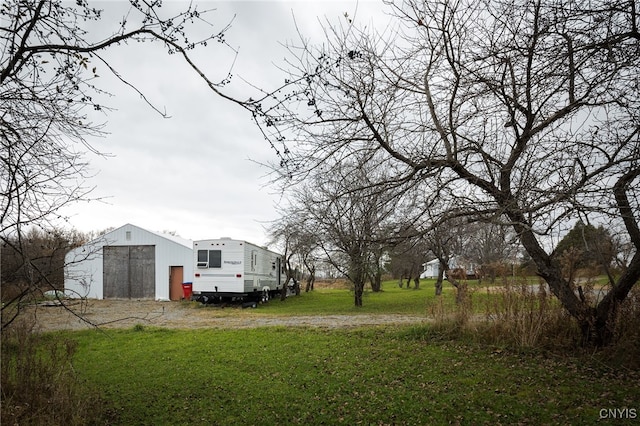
(80, 315)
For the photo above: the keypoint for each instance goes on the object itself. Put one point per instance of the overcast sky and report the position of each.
(197, 173)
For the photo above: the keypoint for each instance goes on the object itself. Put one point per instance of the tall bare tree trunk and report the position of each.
(376, 281)
(311, 279)
(357, 275)
(442, 266)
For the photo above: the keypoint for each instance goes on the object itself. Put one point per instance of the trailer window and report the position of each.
(209, 259)
(203, 260)
(215, 259)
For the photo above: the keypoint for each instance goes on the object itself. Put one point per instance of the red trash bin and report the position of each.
(186, 290)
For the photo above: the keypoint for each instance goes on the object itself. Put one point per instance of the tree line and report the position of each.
(32, 263)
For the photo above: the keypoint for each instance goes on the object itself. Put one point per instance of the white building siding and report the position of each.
(431, 269)
(84, 265)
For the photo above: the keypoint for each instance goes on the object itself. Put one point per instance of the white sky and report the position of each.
(196, 173)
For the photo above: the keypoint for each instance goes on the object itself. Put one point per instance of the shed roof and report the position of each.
(173, 238)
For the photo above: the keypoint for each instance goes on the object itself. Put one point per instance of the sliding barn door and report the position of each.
(129, 272)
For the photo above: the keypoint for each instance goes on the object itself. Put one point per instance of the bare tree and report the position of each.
(375, 270)
(490, 246)
(44, 271)
(297, 242)
(447, 241)
(407, 255)
(348, 214)
(522, 112)
(310, 262)
(296, 231)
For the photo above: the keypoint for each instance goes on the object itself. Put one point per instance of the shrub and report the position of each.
(515, 313)
(521, 314)
(39, 386)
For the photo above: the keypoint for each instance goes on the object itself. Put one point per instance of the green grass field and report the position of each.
(392, 300)
(383, 375)
(328, 301)
(376, 375)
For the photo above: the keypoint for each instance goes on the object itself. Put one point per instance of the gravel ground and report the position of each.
(78, 315)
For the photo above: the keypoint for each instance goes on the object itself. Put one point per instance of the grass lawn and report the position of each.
(390, 375)
(392, 300)
(385, 375)
(332, 301)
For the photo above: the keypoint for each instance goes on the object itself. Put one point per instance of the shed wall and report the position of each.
(84, 265)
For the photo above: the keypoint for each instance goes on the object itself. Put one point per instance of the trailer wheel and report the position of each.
(265, 295)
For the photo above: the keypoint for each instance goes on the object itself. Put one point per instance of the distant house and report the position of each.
(431, 269)
(129, 263)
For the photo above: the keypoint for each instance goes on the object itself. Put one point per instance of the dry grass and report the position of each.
(514, 314)
(520, 314)
(39, 386)
(334, 284)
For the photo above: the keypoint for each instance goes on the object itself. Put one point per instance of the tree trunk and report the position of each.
(311, 278)
(376, 282)
(461, 286)
(416, 282)
(596, 324)
(296, 287)
(461, 292)
(358, 276)
(358, 290)
(283, 292)
(310, 281)
(441, 269)
(438, 285)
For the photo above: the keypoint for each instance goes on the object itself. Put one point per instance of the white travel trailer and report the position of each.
(236, 270)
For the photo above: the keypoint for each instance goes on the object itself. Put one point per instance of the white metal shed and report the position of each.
(129, 263)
